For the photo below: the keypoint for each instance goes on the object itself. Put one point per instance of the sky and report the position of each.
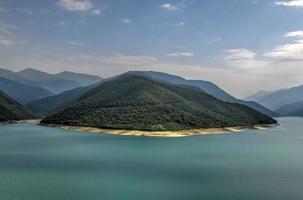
(241, 45)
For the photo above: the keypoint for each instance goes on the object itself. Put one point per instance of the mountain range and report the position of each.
(30, 84)
(21, 92)
(135, 102)
(286, 102)
(49, 104)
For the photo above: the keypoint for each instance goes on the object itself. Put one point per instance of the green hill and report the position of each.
(139, 103)
(11, 110)
(207, 87)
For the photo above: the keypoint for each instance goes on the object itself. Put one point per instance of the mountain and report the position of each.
(10, 75)
(22, 93)
(207, 87)
(47, 105)
(282, 97)
(48, 81)
(82, 79)
(294, 109)
(258, 95)
(11, 110)
(139, 103)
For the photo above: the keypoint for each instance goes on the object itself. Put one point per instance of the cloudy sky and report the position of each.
(241, 45)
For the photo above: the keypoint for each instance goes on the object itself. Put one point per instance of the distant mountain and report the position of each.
(282, 97)
(258, 95)
(139, 103)
(8, 74)
(48, 105)
(82, 79)
(55, 83)
(11, 110)
(294, 109)
(48, 81)
(207, 87)
(22, 93)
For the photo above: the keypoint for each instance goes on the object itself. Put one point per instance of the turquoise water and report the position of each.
(41, 163)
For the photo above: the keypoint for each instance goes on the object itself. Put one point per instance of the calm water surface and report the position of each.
(41, 163)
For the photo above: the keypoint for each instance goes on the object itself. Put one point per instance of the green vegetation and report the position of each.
(48, 105)
(139, 103)
(11, 110)
(206, 86)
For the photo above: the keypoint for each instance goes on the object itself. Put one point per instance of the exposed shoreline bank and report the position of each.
(21, 121)
(182, 133)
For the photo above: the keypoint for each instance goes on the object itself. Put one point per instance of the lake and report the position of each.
(43, 163)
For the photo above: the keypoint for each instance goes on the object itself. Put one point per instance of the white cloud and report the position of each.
(173, 7)
(290, 51)
(24, 10)
(96, 11)
(243, 59)
(75, 5)
(298, 34)
(76, 43)
(235, 54)
(7, 29)
(61, 23)
(126, 20)
(179, 24)
(7, 37)
(291, 3)
(181, 54)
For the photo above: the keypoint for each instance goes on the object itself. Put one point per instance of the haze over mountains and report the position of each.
(30, 84)
(135, 102)
(286, 102)
(46, 93)
(140, 100)
(21, 92)
(49, 104)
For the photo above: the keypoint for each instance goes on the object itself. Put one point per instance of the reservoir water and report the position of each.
(43, 163)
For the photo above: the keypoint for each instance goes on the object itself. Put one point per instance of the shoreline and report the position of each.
(20, 121)
(181, 133)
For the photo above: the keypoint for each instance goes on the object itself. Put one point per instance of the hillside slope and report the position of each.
(207, 87)
(48, 105)
(11, 110)
(139, 103)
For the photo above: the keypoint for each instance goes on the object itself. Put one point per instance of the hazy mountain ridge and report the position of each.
(294, 109)
(140, 103)
(55, 83)
(282, 97)
(258, 95)
(22, 93)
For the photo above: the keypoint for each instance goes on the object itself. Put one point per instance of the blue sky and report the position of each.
(242, 45)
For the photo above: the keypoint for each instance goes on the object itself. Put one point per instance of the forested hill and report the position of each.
(139, 103)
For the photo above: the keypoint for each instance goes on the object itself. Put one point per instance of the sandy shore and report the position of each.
(183, 133)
